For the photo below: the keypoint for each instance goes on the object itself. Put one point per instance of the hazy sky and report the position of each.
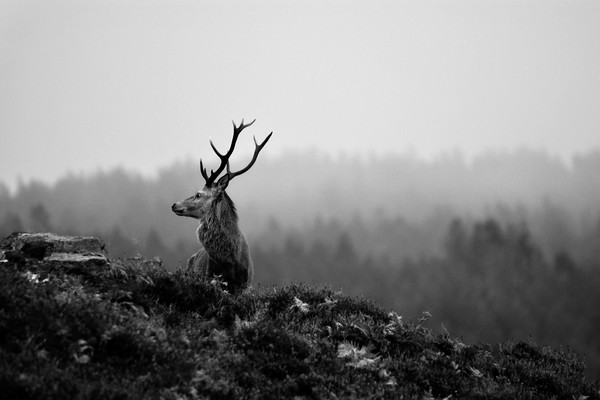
(93, 84)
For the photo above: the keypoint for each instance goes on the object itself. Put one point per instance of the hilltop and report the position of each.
(76, 324)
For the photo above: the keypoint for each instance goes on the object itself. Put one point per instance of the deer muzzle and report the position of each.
(178, 208)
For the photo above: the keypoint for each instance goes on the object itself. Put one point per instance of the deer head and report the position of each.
(203, 203)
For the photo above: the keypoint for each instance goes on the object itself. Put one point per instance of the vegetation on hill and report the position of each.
(135, 331)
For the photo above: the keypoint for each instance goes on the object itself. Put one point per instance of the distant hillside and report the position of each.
(74, 325)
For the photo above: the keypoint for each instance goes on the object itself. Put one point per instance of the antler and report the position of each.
(257, 149)
(225, 157)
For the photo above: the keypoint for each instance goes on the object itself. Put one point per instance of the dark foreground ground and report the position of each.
(75, 325)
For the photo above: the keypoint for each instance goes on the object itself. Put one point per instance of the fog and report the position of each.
(87, 86)
(430, 155)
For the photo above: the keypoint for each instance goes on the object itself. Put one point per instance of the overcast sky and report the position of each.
(94, 84)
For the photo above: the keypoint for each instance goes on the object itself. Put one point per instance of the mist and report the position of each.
(95, 85)
(431, 155)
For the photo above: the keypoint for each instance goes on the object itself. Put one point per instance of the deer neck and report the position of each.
(219, 232)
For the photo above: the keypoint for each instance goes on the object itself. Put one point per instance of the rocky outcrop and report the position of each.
(77, 254)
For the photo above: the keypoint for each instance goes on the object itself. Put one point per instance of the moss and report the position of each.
(138, 331)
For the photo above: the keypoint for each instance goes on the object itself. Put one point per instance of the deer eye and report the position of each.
(197, 196)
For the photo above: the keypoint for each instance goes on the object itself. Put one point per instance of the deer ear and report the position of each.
(223, 182)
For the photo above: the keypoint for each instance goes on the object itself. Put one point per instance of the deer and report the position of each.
(224, 250)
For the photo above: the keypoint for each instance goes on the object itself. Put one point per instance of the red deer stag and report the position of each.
(224, 250)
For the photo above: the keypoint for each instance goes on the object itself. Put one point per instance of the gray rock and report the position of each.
(57, 243)
(76, 254)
